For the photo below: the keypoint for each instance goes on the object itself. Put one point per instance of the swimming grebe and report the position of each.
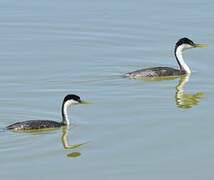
(69, 100)
(180, 46)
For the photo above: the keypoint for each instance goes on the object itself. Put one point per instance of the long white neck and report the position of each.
(65, 119)
(179, 57)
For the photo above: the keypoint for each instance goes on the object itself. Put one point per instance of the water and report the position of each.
(132, 129)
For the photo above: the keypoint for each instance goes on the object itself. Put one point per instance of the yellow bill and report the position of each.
(85, 102)
(201, 45)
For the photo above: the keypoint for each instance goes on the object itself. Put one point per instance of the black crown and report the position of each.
(72, 97)
(184, 41)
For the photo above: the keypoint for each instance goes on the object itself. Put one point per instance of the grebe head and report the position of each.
(185, 43)
(181, 45)
(72, 99)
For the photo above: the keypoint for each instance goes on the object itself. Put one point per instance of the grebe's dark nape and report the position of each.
(180, 46)
(69, 100)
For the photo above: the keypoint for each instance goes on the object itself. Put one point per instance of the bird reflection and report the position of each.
(64, 138)
(66, 144)
(186, 100)
(183, 100)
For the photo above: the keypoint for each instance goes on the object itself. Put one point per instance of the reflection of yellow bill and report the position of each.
(201, 45)
(74, 154)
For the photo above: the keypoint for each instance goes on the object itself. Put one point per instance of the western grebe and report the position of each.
(69, 100)
(181, 45)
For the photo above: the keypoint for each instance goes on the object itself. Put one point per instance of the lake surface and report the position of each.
(132, 129)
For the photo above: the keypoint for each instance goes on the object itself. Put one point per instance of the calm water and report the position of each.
(133, 129)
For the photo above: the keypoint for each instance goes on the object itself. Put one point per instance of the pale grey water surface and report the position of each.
(134, 129)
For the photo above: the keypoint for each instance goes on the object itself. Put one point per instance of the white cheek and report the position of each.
(74, 102)
(183, 47)
(71, 102)
(188, 46)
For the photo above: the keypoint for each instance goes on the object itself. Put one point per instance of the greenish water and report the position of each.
(133, 129)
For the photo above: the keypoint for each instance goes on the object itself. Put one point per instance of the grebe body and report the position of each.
(69, 100)
(182, 45)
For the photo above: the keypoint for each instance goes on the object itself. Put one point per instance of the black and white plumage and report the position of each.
(69, 100)
(181, 45)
